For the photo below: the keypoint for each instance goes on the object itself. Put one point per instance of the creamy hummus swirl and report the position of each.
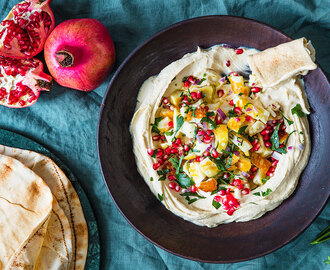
(287, 93)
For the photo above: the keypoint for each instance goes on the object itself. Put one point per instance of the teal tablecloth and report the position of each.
(65, 121)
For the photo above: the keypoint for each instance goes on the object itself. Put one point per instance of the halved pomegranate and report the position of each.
(21, 81)
(24, 31)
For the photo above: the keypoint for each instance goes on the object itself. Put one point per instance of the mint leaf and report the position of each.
(155, 125)
(242, 130)
(264, 180)
(162, 174)
(151, 179)
(190, 201)
(160, 197)
(256, 193)
(169, 133)
(195, 133)
(298, 111)
(175, 162)
(267, 192)
(216, 204)
(206, 119)
(289, 121)
(179, 122)
(178, 168)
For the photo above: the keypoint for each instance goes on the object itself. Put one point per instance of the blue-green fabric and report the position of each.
(65, 121)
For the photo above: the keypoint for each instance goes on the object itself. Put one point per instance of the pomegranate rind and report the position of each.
(92, 48)
(34, 36)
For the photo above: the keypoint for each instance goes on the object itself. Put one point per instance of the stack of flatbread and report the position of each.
(42, 225)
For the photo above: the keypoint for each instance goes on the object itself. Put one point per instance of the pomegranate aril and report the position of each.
(222, 192)
(168, 150)
(155, 166)
(193, 95)
(172, 185)
(231, 102)
(255, 89)
(220, 93)
(177, 188)
(156, 137)
(186, 147)
(171, 177)
(206, 154)
(217, 198)
(268, 144)
(238, 110)
(245, 191)
(199, 95)
(193, 188)
(215, 153)
(239, 51)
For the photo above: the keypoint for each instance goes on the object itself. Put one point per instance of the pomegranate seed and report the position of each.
(198, 159)
(155, 166)
(177, 188)
(165, 100)
(281, 120)
(181, 152)
(174, 150)
(222, 192)
(254, 169)
(172, 185)
(268, 144)
(228, 63)
(240, 186)
(239, 51)
(255, 89)
(201, 132)
(248, 118)
(186, 147)
(199, 95)
(150, 151)
(225, 207)
(274, 163)
(170, 124)
(230, 212)
(160, 161)
(215, 154)
(217, 198)
(231, 102)
(225, 176)
(206, 140)
(178, 141)
(193, 189)
(245, 191)
(206, 108)
(186, 84)
(271, 169)
(220, 93)
(168, 150)
(237, 119)
(236, 182)
(218, 119)
(282, 145)
(191, 79)
(206, 154)
(264, 132)
(266, 137)
(160, 153)
(165, 157)
(238, 110)
(269, 174)
(193, 95)
(171, 177)
(163, 138)
(156, 137)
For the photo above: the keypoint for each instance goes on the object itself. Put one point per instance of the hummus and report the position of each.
(217, 144)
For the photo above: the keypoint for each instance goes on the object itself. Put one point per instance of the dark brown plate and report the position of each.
(231, 242)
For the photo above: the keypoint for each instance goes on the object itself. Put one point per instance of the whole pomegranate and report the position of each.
(21, 81)
(80, 54)
(24, 31)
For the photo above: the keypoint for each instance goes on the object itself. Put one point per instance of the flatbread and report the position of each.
(25, 206)
(55, 241)
(64, 193)
(284, 61)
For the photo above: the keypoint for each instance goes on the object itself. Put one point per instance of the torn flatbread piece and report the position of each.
(284, 61)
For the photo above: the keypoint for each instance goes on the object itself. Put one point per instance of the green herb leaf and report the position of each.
(215, 204)
(327, 261)
(179, 166)
(160, 197)
(264, 180)
(298, 111)
(232, 113)
(175, 162)
(302, 133)
(162, 174)
(179, 122)
(218, 189)
(263, 193)
(289, 121)
(155, 125)
(242, 130)
(202, 80)
(169, 133)
(184, 181)
(322, 236)
(190, 201)
(247, 104)
(206, 119)
(151, 179)
(193, 194)
(274, 138)
(256, 193)
(154, 154)
(287, 139)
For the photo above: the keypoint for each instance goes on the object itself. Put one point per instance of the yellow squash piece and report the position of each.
(258, 177)
(163, 124)
(207, 92)
(221, 137)
(208, 167)
(236, 123)
(166, 113)
(259, 161)
(244, 164)
(237, 85)
(175, 98)
(196, 172)
(241, 143)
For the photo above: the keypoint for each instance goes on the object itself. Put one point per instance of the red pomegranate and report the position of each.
(21, 81)
(24, 31)
(80, 54)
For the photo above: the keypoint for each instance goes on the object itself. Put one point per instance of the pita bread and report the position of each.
(64, 193)
(284, 61)
(50, 247)
(25, 206)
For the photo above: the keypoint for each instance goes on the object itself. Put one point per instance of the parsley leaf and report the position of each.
(202, 80)
(179, 123)
(298, 111)
(264, 180)
(275, 139)
(289, 121)
(162, 174)
(195, 133)
(175, 162)
(232, 113)
(154, 154)
(160, 196)
(216, 204)
(263, 193)
(151, 179)
(207, 119)
(242, 130)
(155, 125)
(193, 194)
(180, 162)
(184, 181)
(190, 201)
(169, 133)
